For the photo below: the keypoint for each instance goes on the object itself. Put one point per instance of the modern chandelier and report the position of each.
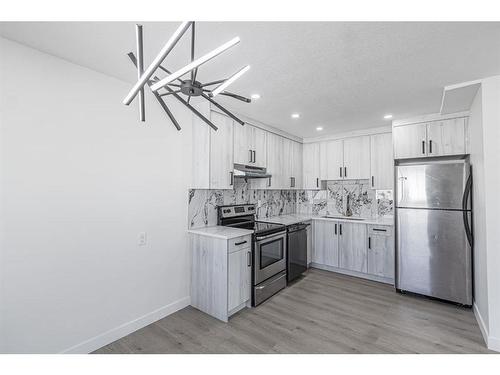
(173, 84)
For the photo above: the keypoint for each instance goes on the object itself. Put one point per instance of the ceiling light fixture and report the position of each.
(188, 87)
(388, 117)
(230, 80)
(255, 96)
(295, 115)
(319, 128)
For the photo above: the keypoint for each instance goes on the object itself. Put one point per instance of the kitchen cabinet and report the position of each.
(311, 166)
(332, 160)
(410, 141)
(293, 160)
(381, 162)
(239, 277)
(250, 145)
(429, 139)
(357, 158)
(221, 152)
(353, 249)
(275, 161)
(380, 251)
(220, 274)
(326, 243)
(446, 137)
(347, 159)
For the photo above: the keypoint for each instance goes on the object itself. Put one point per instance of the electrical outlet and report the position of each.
(142, 239)
(259, 203)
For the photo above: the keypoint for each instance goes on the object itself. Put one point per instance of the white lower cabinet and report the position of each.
(380, 251)
(354, 248)
(220, 274)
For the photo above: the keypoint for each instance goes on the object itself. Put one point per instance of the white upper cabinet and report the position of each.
(446, 137)
(250, 145)
(410, 141)
(332, 160)
(221, 152)
(381, 161)
(297, 167)
(275, 161)
(311, 166)
(259, 147)
(357, 158)
(435, 138)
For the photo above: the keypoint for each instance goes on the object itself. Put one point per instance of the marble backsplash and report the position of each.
(363, 201)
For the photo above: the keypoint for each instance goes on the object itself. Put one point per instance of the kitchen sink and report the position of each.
(343, 218)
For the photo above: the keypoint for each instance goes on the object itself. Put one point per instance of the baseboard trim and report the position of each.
(122, 330)
(493, 343)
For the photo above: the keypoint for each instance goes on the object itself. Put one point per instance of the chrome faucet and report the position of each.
(348, 211)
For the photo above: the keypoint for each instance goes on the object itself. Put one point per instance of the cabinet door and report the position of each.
(333, 157)
(239, 277)
(353, 246)
(380, 251)
(275, 161)
(446, 137)
(357, 158)
(410, 141)
(287, 182)
(310, 166)
(221, 152)
(297, 165)
(326, 243)
(259, 147)
(381, 161)
(200, 152)
(243, 138)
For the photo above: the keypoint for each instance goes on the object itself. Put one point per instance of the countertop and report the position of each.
(219, 231)
(297, 218)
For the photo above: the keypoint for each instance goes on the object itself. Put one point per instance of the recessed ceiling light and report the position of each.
(319, 128)
(387, 117)
(255, 96)
(295, 115)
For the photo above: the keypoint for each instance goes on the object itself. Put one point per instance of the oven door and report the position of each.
(269, 256)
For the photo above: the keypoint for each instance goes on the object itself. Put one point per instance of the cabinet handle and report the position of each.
(317, 182)
(379, 230)
(231, 178)
(249, 259)
(254, 157)
(430, 146)
(335, 228)
(340, 228)
(373, 181)
(423, 147)
(250, 160)
(369, 242)
(340, 171)
(269, 185)
(240, 243)
(345, 172)
(293, 178)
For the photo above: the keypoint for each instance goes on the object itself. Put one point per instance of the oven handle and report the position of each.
(278, 234)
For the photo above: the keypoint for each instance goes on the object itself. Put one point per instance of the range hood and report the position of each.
(249, 171)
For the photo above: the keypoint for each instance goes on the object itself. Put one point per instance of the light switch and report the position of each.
(142, 239)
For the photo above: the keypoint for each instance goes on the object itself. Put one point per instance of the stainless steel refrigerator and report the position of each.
(434, 229)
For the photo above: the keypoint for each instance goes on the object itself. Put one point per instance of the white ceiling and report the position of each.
(342, 76)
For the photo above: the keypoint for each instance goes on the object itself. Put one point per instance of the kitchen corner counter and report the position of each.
(297, 218)
(218, 231)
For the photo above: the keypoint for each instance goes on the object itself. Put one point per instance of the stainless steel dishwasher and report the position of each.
(296, 250)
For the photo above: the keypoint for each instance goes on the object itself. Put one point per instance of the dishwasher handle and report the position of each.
(297, 227)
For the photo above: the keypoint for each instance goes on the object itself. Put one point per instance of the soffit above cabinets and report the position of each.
(458, 98)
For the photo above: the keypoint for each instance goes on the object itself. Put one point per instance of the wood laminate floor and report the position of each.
(323, 312)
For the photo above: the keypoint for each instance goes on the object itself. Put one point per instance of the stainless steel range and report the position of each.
(268, 249)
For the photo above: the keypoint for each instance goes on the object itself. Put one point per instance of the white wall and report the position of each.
(485, 157)
(80, 178)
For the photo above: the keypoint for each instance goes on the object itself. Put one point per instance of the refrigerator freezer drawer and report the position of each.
(433, 254)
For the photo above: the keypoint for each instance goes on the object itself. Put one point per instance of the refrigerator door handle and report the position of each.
(465, 201)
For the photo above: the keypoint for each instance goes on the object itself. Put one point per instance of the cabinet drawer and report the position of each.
(379, 230)
(238, 243)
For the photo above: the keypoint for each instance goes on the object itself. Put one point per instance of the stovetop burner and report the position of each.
(243, 216)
